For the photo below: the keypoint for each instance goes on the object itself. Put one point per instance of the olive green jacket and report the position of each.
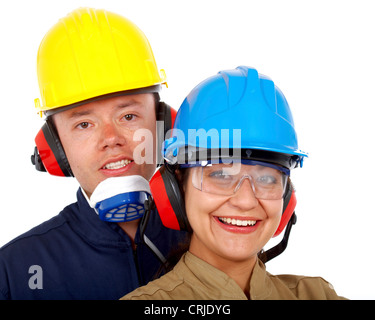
(193, 279)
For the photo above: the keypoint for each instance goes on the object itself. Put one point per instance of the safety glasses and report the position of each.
(268, 181)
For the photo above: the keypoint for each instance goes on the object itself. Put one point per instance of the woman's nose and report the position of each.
(244, 196)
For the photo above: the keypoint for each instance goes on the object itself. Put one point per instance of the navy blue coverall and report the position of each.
(75, 255)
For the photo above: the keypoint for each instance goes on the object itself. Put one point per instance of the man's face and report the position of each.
(100, 142)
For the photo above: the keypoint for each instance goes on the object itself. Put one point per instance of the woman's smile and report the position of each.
(238, 225)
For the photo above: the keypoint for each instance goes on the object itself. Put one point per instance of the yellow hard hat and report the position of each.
(92, 53)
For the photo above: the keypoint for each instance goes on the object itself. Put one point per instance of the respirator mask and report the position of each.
(120, 199)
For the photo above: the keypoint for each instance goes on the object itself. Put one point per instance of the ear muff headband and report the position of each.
(49, 154)
(171, 207)
(165, 116)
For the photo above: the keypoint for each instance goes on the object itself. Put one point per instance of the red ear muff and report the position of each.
(164, 186)
(49, 154)
(288, 219)
(168, 199)
(290, 202)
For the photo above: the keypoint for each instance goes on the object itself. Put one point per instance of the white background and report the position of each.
(320, 53)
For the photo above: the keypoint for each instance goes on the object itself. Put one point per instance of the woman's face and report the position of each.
(229, 228)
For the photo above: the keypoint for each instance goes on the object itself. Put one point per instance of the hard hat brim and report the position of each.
(190, 155)
(151, 89)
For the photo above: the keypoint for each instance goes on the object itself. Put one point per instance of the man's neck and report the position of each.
(130, 228)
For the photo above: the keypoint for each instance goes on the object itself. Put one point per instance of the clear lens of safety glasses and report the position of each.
(268, 181)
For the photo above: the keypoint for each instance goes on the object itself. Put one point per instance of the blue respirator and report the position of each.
(120, 199)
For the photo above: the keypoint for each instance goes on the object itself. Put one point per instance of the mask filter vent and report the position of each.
(120, 199)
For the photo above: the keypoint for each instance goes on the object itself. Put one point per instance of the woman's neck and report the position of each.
(239, 271)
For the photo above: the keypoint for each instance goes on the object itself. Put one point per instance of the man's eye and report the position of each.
(129, 117)
(83, 125)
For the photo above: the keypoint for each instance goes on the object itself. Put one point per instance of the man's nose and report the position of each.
(111, 136)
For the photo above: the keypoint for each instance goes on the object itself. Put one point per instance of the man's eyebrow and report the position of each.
(123, 105)
(77, 113)
(129, 103)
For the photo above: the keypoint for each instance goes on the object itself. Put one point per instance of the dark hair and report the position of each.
(157, 100)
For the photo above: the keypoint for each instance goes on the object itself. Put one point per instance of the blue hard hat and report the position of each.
(235, 110)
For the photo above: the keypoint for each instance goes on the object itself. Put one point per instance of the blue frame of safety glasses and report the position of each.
(243, 161)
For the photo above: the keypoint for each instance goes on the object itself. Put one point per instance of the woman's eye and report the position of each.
(267, 180)
(219, 175)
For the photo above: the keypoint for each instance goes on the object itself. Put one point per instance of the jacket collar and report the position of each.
(84, 220)
(261, 285)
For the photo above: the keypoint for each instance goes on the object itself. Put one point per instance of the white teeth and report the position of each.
(237, 222)
(117, 165)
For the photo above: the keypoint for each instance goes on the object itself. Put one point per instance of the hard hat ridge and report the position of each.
(242, 100)
(92, 53)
